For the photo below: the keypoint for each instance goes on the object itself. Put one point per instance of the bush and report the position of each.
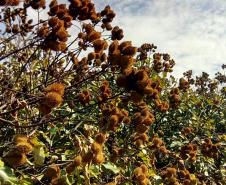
(79, 105)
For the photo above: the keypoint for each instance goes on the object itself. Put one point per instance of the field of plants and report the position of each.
(79, 105)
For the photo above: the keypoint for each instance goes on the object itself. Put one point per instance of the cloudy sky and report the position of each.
(193, 32)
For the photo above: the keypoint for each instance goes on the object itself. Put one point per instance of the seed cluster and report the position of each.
(144, 49)
(189, 151)
(36, 4)
(172, 176)
(112, 117)
(9, 2)
(105, 91)
(53, 98)
(83, 10)
(108, 14)
(85, 97)
(187, 130)
(53, 173)
(174, 98)
(166, 65)
(183, 84)
(17, 155)
(121, 55)
(209, 149)
(141, 175)
(142, 120)
(55, 33)
(10, 17)
(159, 146)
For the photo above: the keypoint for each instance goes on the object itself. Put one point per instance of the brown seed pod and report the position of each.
(54, 8)
(108, 26)
(91, 56)
(127, 120)
(140, 128)
(76, 3)
(70, 168)
(20, 138)
(96, 147)
(52, 172)
(137, 171)
(98, 158)
(63, 46)
(15, 28)
(124, 44)
(44, 109)
(13, 2)
(148, 90)
(56, 87)
(121, 81)
(163, 150)
(129, 50)
(87, 157)
(88, 28)
(53, 21)
(117, 33)
(100, 138)
(139, 142)
(94, 35)
(144, 170)
(114, 119)
(15, 159)
(113, 46)
(62, 35)
(43, 32)
(54, 45)
(187, 130)
(142, 136)
(140, 177)
(24, 147)
(67, 19)
(99, 45)
(37, 4)
(157, 142)
(81, 35)
(126, 61)
(171, 172)
(147, 121)
(52, 99)
(77, 160)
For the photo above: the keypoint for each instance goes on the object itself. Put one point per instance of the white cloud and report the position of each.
(192, 31)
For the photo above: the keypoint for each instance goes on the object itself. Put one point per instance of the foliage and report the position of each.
(79, 105)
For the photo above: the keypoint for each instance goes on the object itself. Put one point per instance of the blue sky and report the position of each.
(192, 31)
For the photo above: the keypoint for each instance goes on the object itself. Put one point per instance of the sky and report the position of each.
(193, 32)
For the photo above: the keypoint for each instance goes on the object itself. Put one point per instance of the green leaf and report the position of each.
(112, 167)
(94, 170)
(7, 176)
(3, 176)
(39, 156)
(176, 144)
(1, 163)
(46, 137)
